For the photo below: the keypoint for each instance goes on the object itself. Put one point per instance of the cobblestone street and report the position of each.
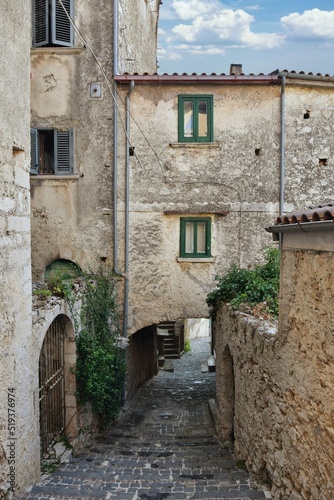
(164, 447)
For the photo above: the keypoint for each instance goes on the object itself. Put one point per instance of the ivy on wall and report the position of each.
(100, 369)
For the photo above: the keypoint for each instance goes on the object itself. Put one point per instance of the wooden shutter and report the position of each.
(62, 30)
(33, 151)
(64, 152)
(40, 22)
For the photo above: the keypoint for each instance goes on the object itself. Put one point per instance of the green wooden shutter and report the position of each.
(64, 152)
(33, 151)
(62, 30)
(40, 23)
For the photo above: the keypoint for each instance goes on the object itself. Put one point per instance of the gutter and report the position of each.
(305, 227)
(194, 78)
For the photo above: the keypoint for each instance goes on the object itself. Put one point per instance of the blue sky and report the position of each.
(206, 36)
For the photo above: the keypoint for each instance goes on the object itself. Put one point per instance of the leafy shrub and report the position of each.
(100, 369)
(187, 346)
(249, 286)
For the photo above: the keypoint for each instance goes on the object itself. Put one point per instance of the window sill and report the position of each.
(45, 177)
(193, 260)
(196, 145)
(56, 50)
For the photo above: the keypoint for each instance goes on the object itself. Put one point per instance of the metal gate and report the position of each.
(51, 386)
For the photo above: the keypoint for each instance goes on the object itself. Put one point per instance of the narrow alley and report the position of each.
(164, 447)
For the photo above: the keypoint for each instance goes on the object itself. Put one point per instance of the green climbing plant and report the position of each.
(100, 369)
(250, 286)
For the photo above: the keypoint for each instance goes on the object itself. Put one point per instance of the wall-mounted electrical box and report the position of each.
(95, 90)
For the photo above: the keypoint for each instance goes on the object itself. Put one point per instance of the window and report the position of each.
(51, 26)
(195, 237)
(51, 152)
(195, 118)
(62, 269)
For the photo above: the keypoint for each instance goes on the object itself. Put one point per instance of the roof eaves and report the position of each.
(195, 78)
(306, 76)
(313, 218)
(305, 227)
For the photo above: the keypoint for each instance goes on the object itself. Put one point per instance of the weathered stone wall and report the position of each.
(309, 122)
(239, 174)
(19, 444)
(192, 179)
(274, 389)
(138, 36)
(141, 359)
(73, 215)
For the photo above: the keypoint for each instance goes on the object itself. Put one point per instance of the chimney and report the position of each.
(235, 69)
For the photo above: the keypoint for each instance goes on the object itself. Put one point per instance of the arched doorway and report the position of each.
(52, 385)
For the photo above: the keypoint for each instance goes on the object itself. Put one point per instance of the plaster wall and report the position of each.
(170, 180)
(309, 125)
(274, 387)
(72, 215)
(19, 443)
(138, 36)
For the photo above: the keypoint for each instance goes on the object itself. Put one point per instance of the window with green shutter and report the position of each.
(195, 118)
(195, 237)
(51, 24)
(51, 152)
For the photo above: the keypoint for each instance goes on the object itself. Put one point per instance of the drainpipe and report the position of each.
(115, 138)
(127, 210)
(282, 148)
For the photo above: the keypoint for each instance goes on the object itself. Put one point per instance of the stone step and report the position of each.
(171, 349)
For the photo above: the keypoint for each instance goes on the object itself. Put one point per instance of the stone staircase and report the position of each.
(171, 342)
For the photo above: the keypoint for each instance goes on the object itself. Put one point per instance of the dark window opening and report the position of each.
(62, 268)
(46, 151)
(257, 151)
(323, 162)
(307, 115)
(51, 152)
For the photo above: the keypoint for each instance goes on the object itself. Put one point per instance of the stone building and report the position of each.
(165, 178)
(71, 51)
(275, 386)
(19, 430)
(76, 191)
(209, 161)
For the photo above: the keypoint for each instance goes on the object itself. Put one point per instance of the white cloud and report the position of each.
(190, 9)
(313, 23)
(209, 28)
(254, 7)
(225, 27)
(165, 55)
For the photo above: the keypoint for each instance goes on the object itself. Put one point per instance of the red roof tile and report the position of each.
(316, 213)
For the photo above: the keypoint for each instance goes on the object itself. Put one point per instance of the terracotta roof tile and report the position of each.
(292, 73)
(316, 213)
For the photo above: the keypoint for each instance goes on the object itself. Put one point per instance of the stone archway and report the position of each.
(57, 383)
